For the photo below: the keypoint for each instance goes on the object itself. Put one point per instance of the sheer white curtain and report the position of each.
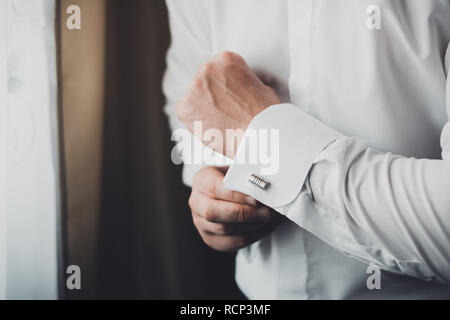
(3, 160)
(28, 171)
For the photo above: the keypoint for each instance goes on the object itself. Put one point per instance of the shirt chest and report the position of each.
(368, 60)
(344, 34)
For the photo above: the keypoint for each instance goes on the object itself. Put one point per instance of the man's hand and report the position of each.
(227, 220)
(225, 94)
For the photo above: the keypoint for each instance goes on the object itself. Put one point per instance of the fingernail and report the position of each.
(249, 200)
(263, 213)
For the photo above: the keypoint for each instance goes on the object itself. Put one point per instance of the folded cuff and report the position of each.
(279, 146)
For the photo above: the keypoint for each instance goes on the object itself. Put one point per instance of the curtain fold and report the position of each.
(82, 77)
(149, 248)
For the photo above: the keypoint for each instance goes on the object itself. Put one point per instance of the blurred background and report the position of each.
(125, 218)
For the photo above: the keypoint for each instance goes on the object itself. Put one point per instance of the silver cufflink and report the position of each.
(259, 182)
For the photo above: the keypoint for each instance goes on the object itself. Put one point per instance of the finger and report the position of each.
(236, 242)
(211, 184)
(220, 211)
(224, 229)
(224, 243)
(228, 57)
(231, 243)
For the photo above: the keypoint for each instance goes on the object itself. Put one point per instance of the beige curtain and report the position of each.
(82, 64)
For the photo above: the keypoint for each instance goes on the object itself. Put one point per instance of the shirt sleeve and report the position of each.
(377, 207)
(190, 48)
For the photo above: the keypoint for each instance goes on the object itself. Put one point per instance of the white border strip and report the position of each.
(3, 142)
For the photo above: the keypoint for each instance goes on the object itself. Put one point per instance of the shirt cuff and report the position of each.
(279, 147)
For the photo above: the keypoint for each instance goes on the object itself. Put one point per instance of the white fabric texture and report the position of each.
(3, 153)
(367, 107)
(28, 189)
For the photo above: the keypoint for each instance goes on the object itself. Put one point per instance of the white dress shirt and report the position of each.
(364, 158)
